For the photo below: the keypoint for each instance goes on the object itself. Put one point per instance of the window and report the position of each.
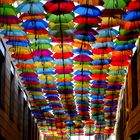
(136, 136)
(20, 109)
(2, 137)
(2, 75)
(134, 81)
(12, 92)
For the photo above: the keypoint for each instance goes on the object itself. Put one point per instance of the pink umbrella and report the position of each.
(42, 52)
(28, 74)
(82, 58)
(80, 78)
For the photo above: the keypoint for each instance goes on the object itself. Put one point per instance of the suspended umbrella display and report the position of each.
(72, 58)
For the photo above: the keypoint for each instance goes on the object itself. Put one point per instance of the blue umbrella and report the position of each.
(31, 7)
(13, 33)
(82, 51)
(60, 62)
(64, 84)
(98, 82)
(101, 62)
(40, 40)
(110, 32)
(103, 45)
(128, 46)
(35, 24)
(87, 10)
(82, 72)
(18, 43)
(43, 59)
(89, 38)
(131, 16)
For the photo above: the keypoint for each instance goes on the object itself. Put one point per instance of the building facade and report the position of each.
(16, 120)
(128, 127)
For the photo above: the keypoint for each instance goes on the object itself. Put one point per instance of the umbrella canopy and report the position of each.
(59, 8)
(114, 4)
(31, 7)
(89, 2)
(86, 20)
(87, 10)
(7, 1)
(64, 26)
(58, 48)
(35, 24)
(64, 18)
(9, 20)
(7, 10)
(26, 16)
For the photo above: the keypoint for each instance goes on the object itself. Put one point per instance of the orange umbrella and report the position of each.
(7, 1)
(89, 2)
(32, 16)
(19, 38)
(105, 39)
(100, 67)
(128, 25)
(109, 22)
(80, 44)
(27, 66)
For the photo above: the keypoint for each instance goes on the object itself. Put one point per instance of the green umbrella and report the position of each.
(65, 18)
(7, 10)
(114, 4)
(40, 46)
(62, 76)
(26, 70)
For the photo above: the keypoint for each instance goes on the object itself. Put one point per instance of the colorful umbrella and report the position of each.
(59, 8)
(65, 18)
(7, 10)
(35, 24)
(87, 10)
(89, 2)
(111, 4)
(31, 7)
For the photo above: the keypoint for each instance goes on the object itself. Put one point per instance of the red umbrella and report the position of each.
(102, 51)
(87, 20)
(22, 56)
(112, 12)
(41, 31)
(28, 74)
(64, 55)
(56, 7)
(82, 58)
(133, 5)
(86, 31)
(9, 20)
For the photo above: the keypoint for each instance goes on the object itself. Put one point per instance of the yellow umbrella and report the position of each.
(110, 21)
(58, 48)
(64, 26)
(102, 56)
(48, 77)
(115, 77)
(20, 50)
(79, 85)
(32, 36)
(84, 67)
(35, 93)
(116, 68)
(44, 64)
(12, 27)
